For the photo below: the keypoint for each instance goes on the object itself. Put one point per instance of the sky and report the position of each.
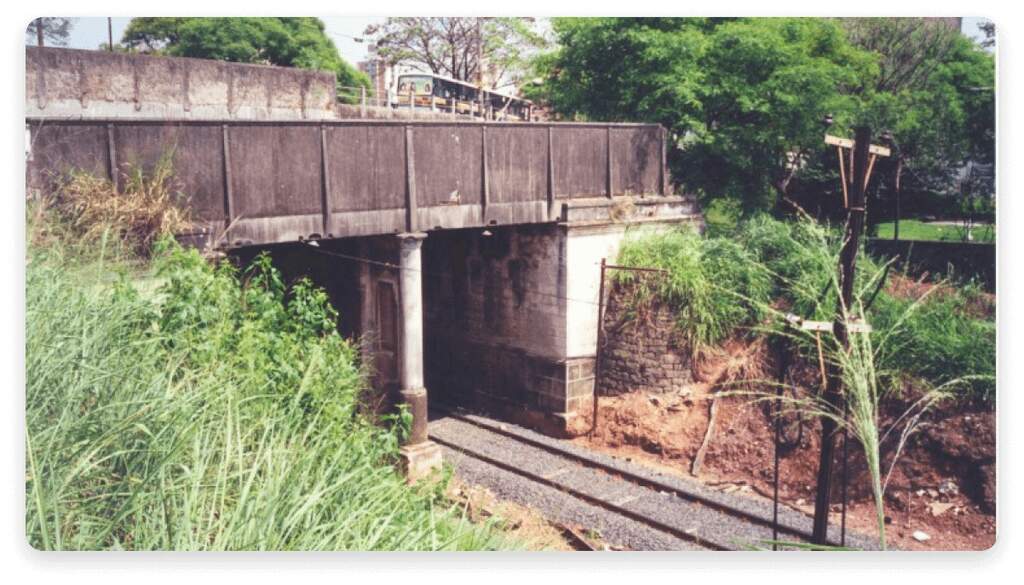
(90, 32)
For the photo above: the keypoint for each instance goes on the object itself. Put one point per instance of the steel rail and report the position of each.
(626, 475)
(600, 502)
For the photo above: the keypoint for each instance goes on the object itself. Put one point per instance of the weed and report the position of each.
(207, 415)
(714, 285)
(148, 206)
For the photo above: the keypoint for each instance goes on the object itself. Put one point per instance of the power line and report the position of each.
(393, 266)
(354, 38)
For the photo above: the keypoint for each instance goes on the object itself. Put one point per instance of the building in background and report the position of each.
(381, 75)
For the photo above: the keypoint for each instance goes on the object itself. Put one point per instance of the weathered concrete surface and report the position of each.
(261, 182)
(420, 461)
(72, 83)
(419, 455)
(511, 313)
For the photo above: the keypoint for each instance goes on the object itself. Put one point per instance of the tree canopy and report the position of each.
(52, 30)
(744, 98)
(289, 42)
(452, 46)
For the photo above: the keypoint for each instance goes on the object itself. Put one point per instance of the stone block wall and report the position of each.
(642, 351)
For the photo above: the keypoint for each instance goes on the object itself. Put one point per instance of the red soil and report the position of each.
(943, 483)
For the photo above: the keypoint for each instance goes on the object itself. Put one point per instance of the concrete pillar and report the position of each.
(420, 456)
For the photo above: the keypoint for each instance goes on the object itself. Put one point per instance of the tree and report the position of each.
(743, 98)
(908, 49)
(53, 30)
(624, 69)
(289, 42)
(988, 28)
(453, 46)
(769, 83)
(938, 101)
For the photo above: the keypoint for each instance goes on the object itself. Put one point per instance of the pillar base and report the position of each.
(420, 461)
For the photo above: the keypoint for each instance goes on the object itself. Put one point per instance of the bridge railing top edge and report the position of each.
(96, 53)
(328, 122)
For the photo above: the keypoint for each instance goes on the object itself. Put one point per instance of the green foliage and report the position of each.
(744, 98)
(212, 411)
(739, 95)
(624, 69)
(940, 341)
(290, 42)
(722, 283)
(768, 83)
(707, 312)
(944, 120)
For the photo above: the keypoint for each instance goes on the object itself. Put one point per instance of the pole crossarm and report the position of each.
(849, 143)
(852, 326)
(874, 151)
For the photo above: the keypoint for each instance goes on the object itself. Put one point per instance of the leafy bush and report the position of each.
(212, 412)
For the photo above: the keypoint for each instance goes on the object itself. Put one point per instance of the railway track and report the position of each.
(631, 506)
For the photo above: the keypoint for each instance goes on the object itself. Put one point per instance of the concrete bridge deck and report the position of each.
(502, 317)
(265, 182)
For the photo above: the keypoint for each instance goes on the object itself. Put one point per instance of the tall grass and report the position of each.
(766, 270)
(212, 411)
(864, 394)
(147, 206)
(720, 284)
(941, 341)
(714, 285)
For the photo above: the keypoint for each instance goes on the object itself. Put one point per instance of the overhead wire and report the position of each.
(393, 266)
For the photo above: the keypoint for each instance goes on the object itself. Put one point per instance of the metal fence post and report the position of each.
(600, 342)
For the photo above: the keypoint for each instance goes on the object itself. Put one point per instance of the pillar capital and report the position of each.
(411, 238)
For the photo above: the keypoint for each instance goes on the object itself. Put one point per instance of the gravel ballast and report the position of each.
(647, 511)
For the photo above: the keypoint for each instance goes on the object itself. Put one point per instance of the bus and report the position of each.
(444, 94)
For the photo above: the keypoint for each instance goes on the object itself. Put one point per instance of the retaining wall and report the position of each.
(73, 83)
(642, 351)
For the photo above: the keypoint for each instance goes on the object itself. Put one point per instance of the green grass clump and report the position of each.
(717, 284)
(714, 285)
(939, 341)
(217, 411)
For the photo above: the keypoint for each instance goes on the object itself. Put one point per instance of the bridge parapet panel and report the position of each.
(278, 181)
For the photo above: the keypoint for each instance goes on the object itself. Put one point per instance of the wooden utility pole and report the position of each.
(39, 31)
(110, 34)
(861, 169)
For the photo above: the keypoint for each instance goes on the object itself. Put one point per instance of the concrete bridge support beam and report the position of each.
(420, 456)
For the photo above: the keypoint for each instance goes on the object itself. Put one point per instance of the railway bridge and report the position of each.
(464, 254)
